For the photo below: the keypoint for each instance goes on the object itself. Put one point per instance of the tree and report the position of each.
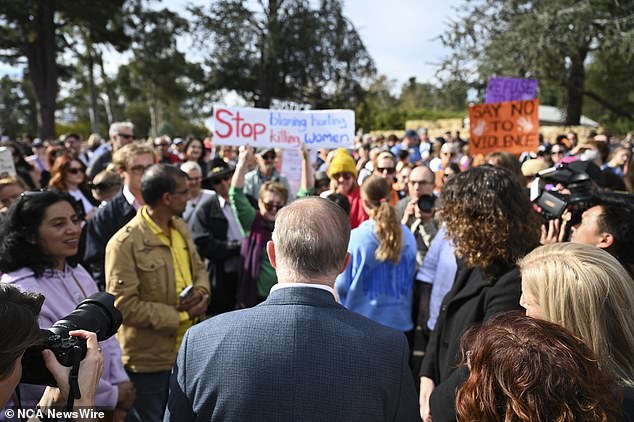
(33, 29)
(158, 74)
(552, 40)
(17, 107)
(285, 49)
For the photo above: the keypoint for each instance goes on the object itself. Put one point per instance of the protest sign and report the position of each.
(510, 89)
(511, 126)
(283, 129)
(7, 168)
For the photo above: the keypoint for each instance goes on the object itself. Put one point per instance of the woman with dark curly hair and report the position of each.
(526, 370)
(491, 222)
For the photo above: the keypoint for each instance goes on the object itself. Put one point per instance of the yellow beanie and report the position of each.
(342, 163)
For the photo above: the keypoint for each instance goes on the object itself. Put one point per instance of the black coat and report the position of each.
(209, 230)
(473, 299)
(108, 220)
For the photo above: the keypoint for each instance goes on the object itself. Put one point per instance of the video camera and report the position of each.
(581, 179)
(96, 314)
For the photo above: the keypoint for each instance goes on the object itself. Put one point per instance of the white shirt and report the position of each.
(131, 198)
(233, 233)
(77, 194)
(312, 286)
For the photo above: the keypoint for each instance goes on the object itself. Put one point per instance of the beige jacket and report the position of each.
(140, 274)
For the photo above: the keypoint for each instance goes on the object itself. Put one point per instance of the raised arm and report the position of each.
(307, 181)
(246, 154)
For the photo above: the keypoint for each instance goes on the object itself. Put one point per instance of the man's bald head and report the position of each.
(421, 182)
(311, 240)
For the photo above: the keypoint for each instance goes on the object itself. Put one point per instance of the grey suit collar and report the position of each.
(300, 296)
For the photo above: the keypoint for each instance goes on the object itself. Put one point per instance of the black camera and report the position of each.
(426, 203)
(577, 177)
(96, 314)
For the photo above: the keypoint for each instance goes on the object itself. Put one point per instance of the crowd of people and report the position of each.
(472, 286)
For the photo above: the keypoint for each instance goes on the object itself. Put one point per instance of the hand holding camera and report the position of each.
(89, 373)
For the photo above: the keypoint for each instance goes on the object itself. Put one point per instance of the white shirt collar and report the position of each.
(222, 201)
(131, 198)
(313, 286)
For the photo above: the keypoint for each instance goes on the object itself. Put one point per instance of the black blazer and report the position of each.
(209, 231)
(473, 299)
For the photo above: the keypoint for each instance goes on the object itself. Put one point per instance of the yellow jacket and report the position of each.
(140, 274)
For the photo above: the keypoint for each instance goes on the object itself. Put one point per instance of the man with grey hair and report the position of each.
(121, 133)
(298, 355)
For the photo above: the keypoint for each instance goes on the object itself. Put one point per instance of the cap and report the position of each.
(410, 133)
(178, 141)
(263, 151)
(219, 169)
(321, 175)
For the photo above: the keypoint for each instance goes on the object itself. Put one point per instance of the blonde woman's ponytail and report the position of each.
(376, 191)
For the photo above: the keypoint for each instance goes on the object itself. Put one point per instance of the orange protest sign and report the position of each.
(511, 126)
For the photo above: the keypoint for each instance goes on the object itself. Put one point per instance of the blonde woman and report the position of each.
(378, 282)
(588, 291)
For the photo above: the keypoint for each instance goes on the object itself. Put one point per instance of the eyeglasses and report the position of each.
(389, 170)
(450, 154)
(346, 176)
(420, 182)
(270, 206)
(181, 192)
(75, 170)
(125, 135)
(139, 169)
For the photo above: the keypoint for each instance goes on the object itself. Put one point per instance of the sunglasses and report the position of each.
(268, 157)
(125, 136)
(556, 152)
(346, 176)
(389, 170)
(75, 170)
(270, 206)
(161, 145)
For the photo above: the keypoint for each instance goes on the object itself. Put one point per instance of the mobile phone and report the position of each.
(186, 292)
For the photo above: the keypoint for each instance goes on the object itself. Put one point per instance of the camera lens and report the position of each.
(96, 314)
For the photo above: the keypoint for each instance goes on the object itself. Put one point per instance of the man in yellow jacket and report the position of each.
(150, 265)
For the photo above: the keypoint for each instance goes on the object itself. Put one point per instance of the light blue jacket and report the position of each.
(381, 291)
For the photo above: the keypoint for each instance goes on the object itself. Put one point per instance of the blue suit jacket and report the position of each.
(298, 356)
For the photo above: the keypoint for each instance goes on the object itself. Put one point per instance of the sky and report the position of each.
(400, 35)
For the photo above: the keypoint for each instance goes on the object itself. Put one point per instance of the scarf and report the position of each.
(251, 253)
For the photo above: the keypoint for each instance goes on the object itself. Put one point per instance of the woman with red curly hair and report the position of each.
(491, 222)
(529, 370)
(68, 174)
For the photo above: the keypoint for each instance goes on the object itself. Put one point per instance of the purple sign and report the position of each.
(510, 89)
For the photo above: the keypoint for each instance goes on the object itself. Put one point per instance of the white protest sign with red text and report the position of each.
(283, 128)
